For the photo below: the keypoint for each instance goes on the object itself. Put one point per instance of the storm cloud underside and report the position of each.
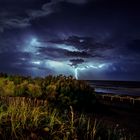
(87, 39)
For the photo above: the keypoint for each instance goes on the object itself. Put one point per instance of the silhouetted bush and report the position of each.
(59, 90)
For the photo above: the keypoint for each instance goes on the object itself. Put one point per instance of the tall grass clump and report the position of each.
(19, 116)
(22, 120)
(51, 108)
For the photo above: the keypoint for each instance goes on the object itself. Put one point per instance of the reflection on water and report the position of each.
(116, 87)
(121, 91)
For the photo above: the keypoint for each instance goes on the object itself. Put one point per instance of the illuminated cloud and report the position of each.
(46, 9)
(89, 66)
(78, 37)
(59, 67)
(10, 21)
(36, 62)
(31, 45)
(66, 47)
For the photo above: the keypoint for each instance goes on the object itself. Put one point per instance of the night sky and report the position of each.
(89, 39)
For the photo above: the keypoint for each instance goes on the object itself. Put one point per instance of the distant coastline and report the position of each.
(116, 87)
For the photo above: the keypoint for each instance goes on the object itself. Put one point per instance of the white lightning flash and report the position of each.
(99, 66)
(76, 71)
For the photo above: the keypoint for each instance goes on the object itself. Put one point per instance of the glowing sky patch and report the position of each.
(36, 62)
(55, 64)
(23, 59)
(60, 67)
(101, 65)
(81, 40)
(34, 42)
(82, 68)
(66, 47)
(31, 45)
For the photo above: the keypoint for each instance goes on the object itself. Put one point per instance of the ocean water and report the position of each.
(116, 87)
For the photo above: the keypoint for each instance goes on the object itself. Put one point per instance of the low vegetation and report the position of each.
(51, 108)
(21, 119)
(60, 90)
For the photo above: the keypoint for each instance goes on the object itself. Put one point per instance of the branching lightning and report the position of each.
(76, 73)
(99, 66)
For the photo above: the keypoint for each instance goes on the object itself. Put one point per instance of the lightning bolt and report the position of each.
(76, 73)
(87, 67)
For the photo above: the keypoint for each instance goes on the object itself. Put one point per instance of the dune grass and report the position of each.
(51, 108)
(21, 119)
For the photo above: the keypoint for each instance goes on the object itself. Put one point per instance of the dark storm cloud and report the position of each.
(20, 63)
(87, 48)
(12, 18)
(62, 53)
(83, 43)
(13, 23)
(133, 46)
(129, 52)
(73, 1)
(77, 1)
(75, 62)
(46, 9)
(82, 54)
(78, 42)
(11, 62)
(15, 57)
(53, 53)
(83, 33)
(8, 21)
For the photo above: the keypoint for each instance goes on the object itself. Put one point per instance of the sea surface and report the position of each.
(131, 88)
